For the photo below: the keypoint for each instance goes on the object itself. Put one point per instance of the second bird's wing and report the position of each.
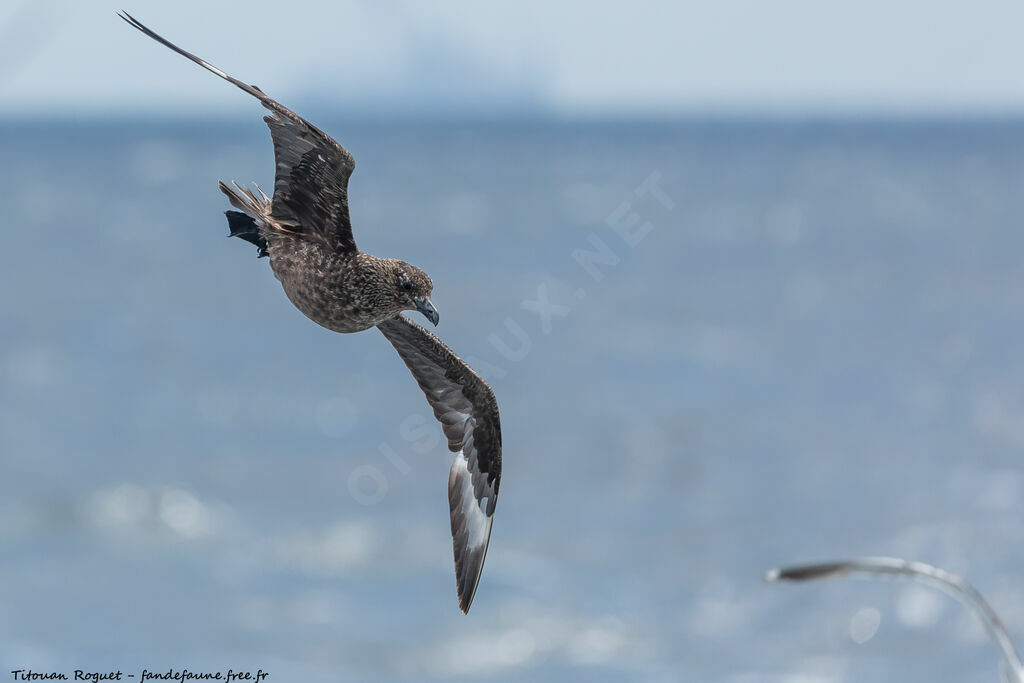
(464, 404)
(312, 169)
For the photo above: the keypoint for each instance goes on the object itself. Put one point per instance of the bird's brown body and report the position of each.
(325, 275)
(344, 292)
(329, 288)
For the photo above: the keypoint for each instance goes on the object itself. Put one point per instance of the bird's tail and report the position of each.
(254, 212)
(248, 202)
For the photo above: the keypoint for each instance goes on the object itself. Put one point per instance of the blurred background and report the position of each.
(744, 276)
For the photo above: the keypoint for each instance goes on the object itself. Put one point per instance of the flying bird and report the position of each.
(306, 232)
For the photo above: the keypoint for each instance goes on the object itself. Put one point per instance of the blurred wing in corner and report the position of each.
(464, 404)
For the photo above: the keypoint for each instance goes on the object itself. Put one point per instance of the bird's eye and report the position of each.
(406, 285)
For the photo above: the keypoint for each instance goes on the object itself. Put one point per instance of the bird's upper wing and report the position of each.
(464, 403)
(311, 180)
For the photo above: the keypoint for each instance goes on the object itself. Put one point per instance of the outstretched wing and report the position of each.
(311, 180)
(464, 403)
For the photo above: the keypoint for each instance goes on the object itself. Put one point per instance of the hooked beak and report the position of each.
(426, 307)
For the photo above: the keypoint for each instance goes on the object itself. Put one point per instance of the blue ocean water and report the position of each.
(718, 347)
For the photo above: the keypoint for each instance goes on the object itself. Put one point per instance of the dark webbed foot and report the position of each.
(241, 225)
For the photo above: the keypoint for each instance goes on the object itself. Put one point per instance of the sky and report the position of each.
(596, 58)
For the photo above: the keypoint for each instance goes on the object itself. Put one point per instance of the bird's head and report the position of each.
(412, 289)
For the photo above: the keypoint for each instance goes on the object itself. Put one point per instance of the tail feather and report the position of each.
(247, 201)
(253, 211)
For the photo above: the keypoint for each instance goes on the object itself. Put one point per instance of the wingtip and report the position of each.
(136, 24)
(468, 570)
(129, 18)
(471, 532)
(807, 572)
(465, 587)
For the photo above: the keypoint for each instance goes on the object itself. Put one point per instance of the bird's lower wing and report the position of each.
(465, 406)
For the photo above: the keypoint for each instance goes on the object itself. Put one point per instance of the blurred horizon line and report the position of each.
(695, 116)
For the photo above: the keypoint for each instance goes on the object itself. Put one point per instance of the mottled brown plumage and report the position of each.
(306, 231)
(345, 291)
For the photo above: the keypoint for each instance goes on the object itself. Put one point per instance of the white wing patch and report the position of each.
(478, 524)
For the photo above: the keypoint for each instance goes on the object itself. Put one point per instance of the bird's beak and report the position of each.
(426, 307)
